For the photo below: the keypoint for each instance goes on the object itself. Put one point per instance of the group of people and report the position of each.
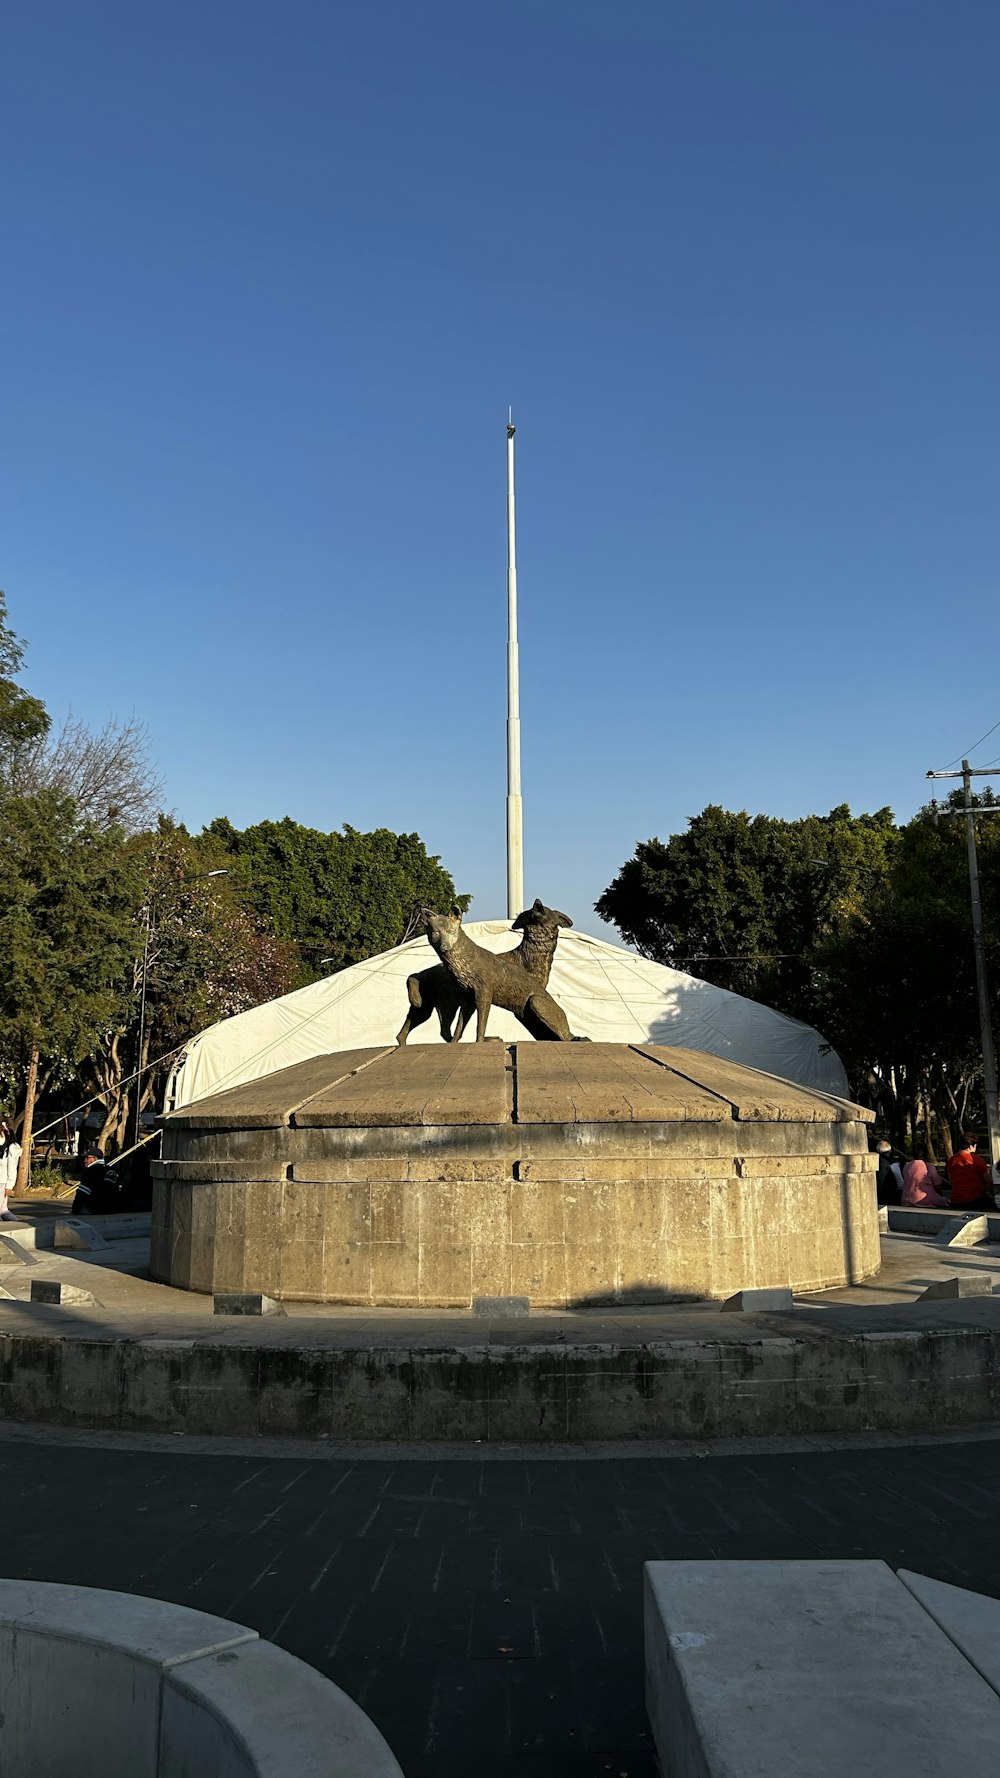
(918, 1182)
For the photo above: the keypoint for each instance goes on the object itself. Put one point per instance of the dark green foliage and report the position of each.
(345, 895)
(849, 922)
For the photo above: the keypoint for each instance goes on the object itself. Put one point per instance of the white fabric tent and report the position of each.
(609, 994)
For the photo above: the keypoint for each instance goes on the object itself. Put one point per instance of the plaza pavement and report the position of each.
(485, 1611)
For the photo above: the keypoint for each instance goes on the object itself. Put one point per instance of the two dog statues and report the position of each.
(470, 979)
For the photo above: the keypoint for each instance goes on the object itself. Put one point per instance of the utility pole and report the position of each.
(515, 838)
(982, 987)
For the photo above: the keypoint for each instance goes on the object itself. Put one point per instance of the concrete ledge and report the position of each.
(807, 1667)
(752, 1385)
(906, 1219)
(109, 1685)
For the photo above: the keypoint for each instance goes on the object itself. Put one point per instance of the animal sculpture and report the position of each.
(514, 980)
(436, 990)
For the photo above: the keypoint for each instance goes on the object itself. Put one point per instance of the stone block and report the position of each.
(883, 1219)
(245, 1302)
(78, 1235)
(967, 1231)
(759, 1302)
(501, 1308)
(964, 1284)
(794, 1667)
(970, 1620)
(64, 1296)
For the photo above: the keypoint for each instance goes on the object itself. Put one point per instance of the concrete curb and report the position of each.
(178, 1692)
(777, 1384)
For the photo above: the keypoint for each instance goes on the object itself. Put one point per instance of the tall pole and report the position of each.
(979, 946)
(142, 1016)
(985, 1023)
(515, 838)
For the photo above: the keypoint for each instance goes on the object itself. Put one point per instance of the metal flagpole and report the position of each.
(515, 840)
(970, 811)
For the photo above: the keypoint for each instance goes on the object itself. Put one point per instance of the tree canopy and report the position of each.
(342, 896)
(850, 922)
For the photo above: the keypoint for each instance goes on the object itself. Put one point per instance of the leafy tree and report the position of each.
(343, 895)
(199, 955)
(68, 904)
(744, 901)
(857, 926)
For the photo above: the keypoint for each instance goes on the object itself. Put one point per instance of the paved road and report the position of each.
(486, 1614)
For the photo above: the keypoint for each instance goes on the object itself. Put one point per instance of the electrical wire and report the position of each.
(959, 757)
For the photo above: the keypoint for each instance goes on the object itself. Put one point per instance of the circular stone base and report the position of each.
(570, 1174)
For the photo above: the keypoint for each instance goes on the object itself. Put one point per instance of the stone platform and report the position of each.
(571, 1174)
(144, 1357)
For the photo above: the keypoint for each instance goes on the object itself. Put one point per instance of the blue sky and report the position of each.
(272, 276)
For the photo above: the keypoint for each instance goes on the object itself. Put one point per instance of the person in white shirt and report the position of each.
(10, 1154)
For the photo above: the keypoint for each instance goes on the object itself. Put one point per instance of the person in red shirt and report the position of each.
(970, 1178)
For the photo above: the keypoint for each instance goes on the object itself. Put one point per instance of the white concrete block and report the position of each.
(883, 1218)
(79, 1235)
(60, 1295)
(80, 1677)
(967, 1231)
(761, 1301)
(796, 1668)
(260, 1701)
(245, 1302)
(963, 1284)
(970, 1620)
(24, 1233)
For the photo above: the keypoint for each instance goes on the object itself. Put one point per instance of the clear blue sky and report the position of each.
(272, 275)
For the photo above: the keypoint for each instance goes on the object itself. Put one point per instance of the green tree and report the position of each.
(199, 956)
(343, 895)
(68, 905)
(849, 922)
(746, 901)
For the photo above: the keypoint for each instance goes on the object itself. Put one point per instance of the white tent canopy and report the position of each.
(609, 995)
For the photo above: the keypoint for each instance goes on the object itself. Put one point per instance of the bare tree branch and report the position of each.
(108, 774)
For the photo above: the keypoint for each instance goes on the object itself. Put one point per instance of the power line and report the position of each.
(967, 750)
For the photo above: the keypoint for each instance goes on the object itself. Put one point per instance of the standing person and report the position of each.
(10, 1154)
(969, 1177)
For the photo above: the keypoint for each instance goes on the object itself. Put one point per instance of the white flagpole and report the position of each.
(515, 841)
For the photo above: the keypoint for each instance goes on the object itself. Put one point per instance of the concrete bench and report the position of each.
(809, 1668)
(109, 1685)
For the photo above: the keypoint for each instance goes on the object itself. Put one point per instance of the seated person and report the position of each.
(97, 1192)
(920, 1184)
(889, 1178)
(970, 1178)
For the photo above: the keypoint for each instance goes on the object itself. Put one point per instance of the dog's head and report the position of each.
(539, 917)
(442, 929)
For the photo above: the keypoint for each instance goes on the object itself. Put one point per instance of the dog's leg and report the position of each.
(545, 1019)
(484, 1001)
(466, 1007)
(418, 1012)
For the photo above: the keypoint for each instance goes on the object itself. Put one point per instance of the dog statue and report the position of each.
(436, 990)
(514, 980)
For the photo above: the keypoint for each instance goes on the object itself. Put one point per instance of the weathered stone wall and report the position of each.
(605, 1177)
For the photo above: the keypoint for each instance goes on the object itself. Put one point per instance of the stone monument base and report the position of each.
(570, 1174)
